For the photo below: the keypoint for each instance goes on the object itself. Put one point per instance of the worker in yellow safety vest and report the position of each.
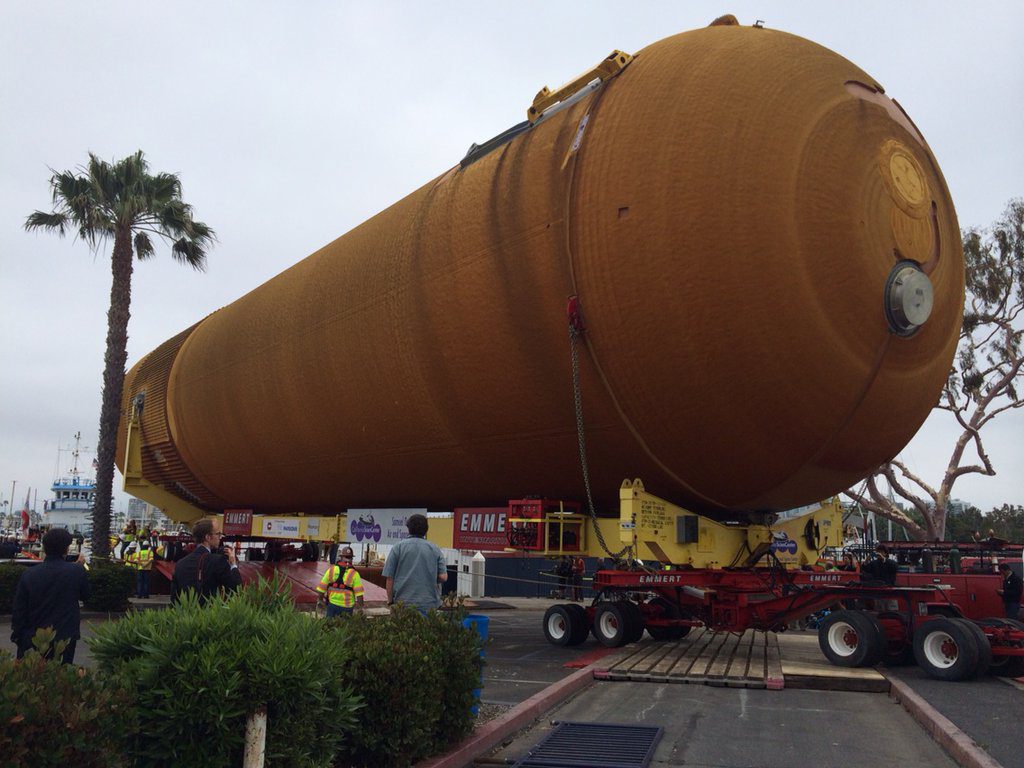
(341, 586)
(142, 562)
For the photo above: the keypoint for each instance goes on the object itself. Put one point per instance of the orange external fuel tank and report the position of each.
(768, 264)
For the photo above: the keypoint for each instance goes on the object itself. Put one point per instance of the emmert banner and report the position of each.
(482, 528)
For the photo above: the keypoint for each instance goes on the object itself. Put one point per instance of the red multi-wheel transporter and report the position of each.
(949, 623)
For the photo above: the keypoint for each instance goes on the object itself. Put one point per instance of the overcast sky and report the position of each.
(291, 123)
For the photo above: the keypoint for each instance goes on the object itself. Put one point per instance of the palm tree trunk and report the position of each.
(113, 385)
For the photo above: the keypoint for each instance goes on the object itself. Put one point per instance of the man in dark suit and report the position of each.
(47, 596)
(1013, 586)
(880, 567)
(205, 570)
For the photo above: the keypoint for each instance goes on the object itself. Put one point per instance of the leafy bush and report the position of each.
(111, 584)
(197, 672)
(419, 672)
(53, 714)
(463, 668)
(9, 575)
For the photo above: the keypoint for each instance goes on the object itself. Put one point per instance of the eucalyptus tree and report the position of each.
(123, 204)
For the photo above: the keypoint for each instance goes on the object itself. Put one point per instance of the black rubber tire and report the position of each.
(611, 624)
(945, 649)
(851, 638)
(558, 625)
(310, 552)
(984, 646)
(671, 612)
(895, 654)
(1005, 666)
(580, 626)
(636, 621)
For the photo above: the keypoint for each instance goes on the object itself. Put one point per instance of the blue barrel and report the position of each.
(479, 624)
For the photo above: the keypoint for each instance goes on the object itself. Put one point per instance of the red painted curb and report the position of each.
(961, 747)
(494, 732)
(587, 659)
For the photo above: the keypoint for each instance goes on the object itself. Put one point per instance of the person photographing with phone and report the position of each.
(209, 568)
(47, 595)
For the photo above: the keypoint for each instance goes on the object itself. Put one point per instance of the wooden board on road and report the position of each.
(748, 660)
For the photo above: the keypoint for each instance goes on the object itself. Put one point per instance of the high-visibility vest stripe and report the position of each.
(345, 594)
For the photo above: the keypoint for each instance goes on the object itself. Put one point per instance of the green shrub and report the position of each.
(111, 584)
(9, 575)
(463, 668)
(419, 672)
(197, 672)
(53, 714)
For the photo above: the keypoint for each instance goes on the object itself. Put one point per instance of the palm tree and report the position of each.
(124, 203)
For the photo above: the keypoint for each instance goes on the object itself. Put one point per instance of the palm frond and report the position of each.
(57, 222)
(164, 187)
(102, 181)
(143, 246)
(104, 199)
(189, 252)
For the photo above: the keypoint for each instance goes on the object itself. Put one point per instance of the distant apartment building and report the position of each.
(146, 514)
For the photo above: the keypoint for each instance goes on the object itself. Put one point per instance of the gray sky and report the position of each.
(291, 123)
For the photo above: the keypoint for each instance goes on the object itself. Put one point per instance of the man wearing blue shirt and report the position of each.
(415, 568)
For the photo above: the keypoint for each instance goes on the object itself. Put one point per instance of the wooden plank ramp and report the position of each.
(804, 666)
(712, 658)
(748, 660)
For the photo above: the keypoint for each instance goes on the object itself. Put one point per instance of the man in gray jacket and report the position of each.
(415, 568)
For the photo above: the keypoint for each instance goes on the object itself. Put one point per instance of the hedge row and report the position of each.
(111, 584)
(181, 683)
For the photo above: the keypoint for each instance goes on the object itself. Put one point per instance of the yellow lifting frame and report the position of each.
(179, 510)
(614, 63)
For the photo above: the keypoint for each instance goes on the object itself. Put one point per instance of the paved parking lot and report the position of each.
(724, 727)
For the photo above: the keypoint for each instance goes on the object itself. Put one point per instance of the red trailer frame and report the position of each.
(873, 622)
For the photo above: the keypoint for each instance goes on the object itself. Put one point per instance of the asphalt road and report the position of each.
(706, 727)
(520, 662)
(725, 727)
(989, 710)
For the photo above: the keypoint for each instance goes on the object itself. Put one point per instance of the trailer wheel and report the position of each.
(558, 625)
(896, 653)
(611, 624)
(1005, 666)
(945, 649)
(636, 621)
(671, 612)
(580, 625)
(984, 646)
(851, 638)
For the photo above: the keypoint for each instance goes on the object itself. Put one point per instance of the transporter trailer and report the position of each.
(933, 622)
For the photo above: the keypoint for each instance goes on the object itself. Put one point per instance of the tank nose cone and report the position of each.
(908, 298)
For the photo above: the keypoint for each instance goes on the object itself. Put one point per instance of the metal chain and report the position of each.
(574, 333)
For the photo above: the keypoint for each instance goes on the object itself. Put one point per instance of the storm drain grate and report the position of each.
(594, 745)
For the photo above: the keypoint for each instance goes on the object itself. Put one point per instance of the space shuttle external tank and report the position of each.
(766, 259)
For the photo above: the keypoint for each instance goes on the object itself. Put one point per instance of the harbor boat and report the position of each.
(73, 496)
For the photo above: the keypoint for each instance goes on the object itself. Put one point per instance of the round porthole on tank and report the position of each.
(909, 298)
